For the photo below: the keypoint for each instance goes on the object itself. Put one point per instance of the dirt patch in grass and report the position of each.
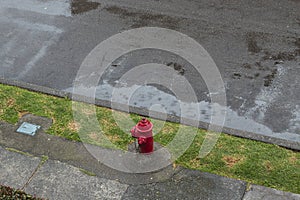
(10, 102)
(232, 160)
(22, 113)
(74, 126)
(268, 165)
(293, 160)
(113, 138)
(88, 111)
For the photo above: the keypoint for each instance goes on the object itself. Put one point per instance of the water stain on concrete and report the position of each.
(297, 42)
(252, 43)
(246, 65)
(253, 71)
(236, 75)
(257, 71)
(177, 67)
(284, 56)
(269, 78)
(142, 19)
(261, 67)
(82, 6)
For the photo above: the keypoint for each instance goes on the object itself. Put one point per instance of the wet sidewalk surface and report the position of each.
(56, 180)
(70, 174)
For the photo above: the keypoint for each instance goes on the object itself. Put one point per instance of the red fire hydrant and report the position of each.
(143, 133)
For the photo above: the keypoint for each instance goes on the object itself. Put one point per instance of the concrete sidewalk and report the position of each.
(55, 168)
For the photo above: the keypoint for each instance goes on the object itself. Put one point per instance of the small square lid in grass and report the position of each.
(29, 129)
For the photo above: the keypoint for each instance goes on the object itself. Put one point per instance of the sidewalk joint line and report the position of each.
(42, 162)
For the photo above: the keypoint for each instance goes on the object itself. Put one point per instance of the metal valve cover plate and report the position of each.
(29, 129)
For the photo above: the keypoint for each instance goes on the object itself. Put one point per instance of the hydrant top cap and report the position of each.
(144, 125)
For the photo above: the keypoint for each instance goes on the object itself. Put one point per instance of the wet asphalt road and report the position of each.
(256, 46)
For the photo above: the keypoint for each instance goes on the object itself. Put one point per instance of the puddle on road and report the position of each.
(177, 67)
(141, 19)
(82, 6)
(252, 43)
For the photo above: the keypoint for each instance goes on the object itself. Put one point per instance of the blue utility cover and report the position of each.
(29, 129)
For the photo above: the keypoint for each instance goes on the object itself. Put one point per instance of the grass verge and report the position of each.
(244, 159)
